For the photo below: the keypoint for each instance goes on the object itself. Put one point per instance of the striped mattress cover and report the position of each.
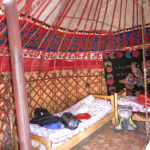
(131, 101)
(98, 110)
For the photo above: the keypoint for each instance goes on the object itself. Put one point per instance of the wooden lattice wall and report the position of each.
(58, 90)
(7, 110)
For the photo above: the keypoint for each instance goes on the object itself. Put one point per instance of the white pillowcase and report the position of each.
(84, 107)
(89, 99)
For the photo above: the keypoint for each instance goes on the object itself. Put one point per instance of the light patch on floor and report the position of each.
(106, 139)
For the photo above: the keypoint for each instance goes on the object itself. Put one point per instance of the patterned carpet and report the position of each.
(107, 139)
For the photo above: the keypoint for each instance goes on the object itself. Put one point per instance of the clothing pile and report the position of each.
(141, 100)
(43, 118)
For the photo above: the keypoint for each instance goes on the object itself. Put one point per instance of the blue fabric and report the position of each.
(56, 125)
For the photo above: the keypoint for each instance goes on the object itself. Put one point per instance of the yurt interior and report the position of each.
(74, 74)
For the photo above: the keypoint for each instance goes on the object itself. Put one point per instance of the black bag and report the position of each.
(43, 117)
(70, 121)
(41, 112)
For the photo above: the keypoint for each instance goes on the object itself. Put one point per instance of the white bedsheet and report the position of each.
(147, 146)
(98, 110)
(131, 101)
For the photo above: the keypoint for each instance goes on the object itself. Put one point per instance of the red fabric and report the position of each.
(141, 99)
(83, 116)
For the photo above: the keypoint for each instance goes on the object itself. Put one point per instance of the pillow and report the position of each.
(82, 108)
(89, 99)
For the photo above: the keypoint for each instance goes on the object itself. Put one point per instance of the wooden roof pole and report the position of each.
(17, 66)
(144, 69)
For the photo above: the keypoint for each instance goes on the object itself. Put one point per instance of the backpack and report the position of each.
(70, 121)
(41, 112)
(43, 117)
